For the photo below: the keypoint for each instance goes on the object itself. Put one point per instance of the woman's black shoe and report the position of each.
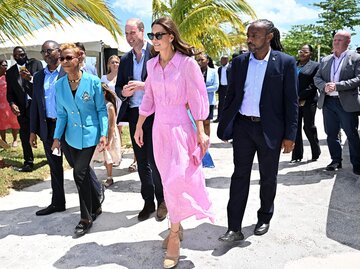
(295, 161)
(82, 228)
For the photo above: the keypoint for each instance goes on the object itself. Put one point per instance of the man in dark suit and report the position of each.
(338, 81)
(260, 115)
(130, 88)
(43, 121)
(224, 61)
(19, 79)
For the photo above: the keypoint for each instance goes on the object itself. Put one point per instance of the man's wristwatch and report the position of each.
(122, 98)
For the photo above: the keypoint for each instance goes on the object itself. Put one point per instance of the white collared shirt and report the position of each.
(253, 85)
(336, 69)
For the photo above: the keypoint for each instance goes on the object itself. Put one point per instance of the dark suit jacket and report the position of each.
(38, 124)
(17, 88)
(307, 88)
(278, 101)
(125, 74)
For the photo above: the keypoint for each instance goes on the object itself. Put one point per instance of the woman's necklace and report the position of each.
(74, 80)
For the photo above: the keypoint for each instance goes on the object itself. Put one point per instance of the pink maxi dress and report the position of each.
(167, 91)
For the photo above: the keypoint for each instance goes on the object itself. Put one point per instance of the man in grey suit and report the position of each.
(338, 80)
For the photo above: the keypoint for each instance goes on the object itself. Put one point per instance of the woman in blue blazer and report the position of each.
(82, 116)
(211, 79)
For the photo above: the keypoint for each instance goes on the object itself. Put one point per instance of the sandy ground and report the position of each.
(316, 222)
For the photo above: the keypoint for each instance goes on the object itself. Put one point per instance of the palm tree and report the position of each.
(22, 17)
(209, 25)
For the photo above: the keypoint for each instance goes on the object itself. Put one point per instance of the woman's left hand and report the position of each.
(204, 141)
(102, 143)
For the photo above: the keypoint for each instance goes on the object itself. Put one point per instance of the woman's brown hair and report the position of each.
(109, 95)
(171, 28)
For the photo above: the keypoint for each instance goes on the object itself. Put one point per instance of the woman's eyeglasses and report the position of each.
(67, 58)
(157, 35)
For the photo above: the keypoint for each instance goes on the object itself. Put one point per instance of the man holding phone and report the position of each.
(130, 89)
(19, 79)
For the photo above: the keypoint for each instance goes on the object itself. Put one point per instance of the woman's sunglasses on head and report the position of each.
(157, 35)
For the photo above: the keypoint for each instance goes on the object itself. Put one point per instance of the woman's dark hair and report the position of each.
(109, 96)
(211, 62)
(311, 49)
(275, 43)
(171, 28)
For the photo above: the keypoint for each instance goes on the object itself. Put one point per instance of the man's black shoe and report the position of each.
(147, 210)
(82, 228)
(231, 236)
(333, 166)
(356, 170)
(26, 168)
(261, 228)
(49, 210)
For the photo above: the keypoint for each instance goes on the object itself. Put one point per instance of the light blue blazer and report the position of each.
(83, 118)
(212, 84)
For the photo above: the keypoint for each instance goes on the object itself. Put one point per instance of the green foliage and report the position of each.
(335, 15)
(206, 24)
(13, 157)
(22, 17)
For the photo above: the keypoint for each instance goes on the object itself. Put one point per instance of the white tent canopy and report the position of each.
(94, 37)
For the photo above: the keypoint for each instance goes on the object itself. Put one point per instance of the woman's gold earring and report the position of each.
(172, 46)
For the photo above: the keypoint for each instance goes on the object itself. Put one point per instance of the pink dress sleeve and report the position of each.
(147, 106)
(196, 93)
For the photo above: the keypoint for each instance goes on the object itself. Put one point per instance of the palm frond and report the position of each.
(22, 17)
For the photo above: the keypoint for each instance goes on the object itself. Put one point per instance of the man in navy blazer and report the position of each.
(43, 121)
(130, 89)
(260, 115)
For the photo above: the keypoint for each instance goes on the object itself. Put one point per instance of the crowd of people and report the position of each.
(264, 96)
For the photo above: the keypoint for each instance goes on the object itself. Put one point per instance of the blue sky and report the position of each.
(284, 13)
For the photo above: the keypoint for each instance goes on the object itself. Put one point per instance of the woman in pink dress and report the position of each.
(174, 83)
(8, 119)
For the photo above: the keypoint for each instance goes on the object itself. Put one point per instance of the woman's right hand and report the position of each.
(55, 145)
(138, 136)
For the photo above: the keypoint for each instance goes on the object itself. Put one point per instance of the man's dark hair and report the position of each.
(80, 46)
(18, 47)
(52, 41)
(275, 43)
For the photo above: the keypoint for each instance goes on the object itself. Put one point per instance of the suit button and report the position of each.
(78, 112)
(75, 124)
(72, 112)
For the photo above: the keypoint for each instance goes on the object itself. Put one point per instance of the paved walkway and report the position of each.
(316, 222)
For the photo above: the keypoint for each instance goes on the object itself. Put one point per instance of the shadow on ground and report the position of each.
(24, 222)
(149, 254)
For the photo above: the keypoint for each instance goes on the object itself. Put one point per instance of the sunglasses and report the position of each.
(67, 58)
(157, 35)
(48, 51)
(20, 55)
(114, 62)
(5, 65)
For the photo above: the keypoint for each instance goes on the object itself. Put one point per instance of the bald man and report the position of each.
(338, 79)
